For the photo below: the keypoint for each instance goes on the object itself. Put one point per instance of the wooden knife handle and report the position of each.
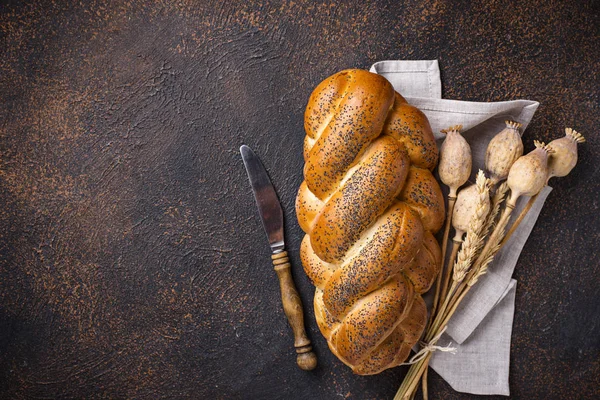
(292, 306)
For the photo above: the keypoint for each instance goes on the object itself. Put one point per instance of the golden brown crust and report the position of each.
(372, 320)
(422, 192)
(379, 176)
(396, 347)
(426, 265)
(316, 269)
(307, 207)
(368, 206)
(384, 354)
(410, 126)
(393, 244)
(360, 102)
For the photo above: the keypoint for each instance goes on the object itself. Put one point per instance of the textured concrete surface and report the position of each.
(132, 261)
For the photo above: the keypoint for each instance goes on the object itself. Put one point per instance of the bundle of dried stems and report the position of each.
(482, 211)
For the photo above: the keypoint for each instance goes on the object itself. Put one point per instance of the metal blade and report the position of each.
(268, 204)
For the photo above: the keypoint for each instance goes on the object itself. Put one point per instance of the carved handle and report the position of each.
(292, 306)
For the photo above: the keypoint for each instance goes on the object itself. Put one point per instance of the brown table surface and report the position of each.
(132, 260)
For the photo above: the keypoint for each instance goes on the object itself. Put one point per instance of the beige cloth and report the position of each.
(482, 326)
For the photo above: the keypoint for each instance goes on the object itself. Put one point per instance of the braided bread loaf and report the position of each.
(368, 205)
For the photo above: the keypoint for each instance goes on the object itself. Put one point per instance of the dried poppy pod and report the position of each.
(502, 151)
(529, 173)
(561, 161)
(454, 169)
(455, 160)
(564, 158)
(526, 177)
(466, 208)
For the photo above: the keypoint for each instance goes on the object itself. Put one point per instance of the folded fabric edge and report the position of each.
(520, 110)
(501, 386)
(398, 71)
(461, 106)
(392, 66)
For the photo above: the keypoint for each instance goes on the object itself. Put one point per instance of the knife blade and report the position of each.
(268, 204)
(271, 215)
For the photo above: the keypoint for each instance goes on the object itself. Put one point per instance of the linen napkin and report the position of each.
(481, 328)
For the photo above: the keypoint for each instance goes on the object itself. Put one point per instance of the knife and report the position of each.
(271, 215)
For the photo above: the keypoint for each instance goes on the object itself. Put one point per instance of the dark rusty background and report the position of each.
(132, 259)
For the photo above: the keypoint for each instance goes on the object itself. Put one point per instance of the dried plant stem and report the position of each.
(455, 304)
(452, 301)
(519, 219)
(402, 392)
(413, 386)
(424, 385)
(446, 286)
(438, 287)
(437, 323)
(412, 379)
